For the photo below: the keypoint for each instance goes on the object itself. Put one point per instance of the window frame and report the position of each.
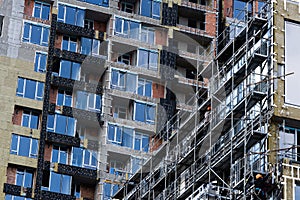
(65, 5)
(60, 182)
(145, 81)
(122, 59)
(69, 41)
(17, 150)
(149, 64)
(117, 111)
(134, 137)
(38, 62)
(60, 149)
(42, 26)
(90, 161)
(23, 172)
(124, 7)
(30, 118)
(70, 73)
(66, 126)
(41, 11)
(146, 31)
(128, 33)
(22, 93)
(89, 23)
(64, 94)
(146, 105)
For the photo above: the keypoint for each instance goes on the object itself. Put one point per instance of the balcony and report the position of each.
(70, 84)
(17, 190)
(197, 5)
(54, 196)
(70, 29)
(91, 63)
(62, 139)
(83, 174)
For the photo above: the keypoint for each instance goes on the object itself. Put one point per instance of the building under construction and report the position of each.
(149, 99)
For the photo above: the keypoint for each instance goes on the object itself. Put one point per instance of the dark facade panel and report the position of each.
(62, 139)
(17, 190)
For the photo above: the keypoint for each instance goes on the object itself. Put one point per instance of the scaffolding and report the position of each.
(210, 152)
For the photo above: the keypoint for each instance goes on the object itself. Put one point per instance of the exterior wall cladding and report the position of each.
(149, 99)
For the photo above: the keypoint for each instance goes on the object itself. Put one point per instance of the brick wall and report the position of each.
(211, 24)
(158, 90)
(28, 7)
(228, 8)
(53, 94)
(161, 37)
(48, 151)
(99, 26)
(87, 191)
(11, 175)
(17, 116)
(58, 41)
(155, 144)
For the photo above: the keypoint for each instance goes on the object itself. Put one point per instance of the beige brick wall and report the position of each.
(10, 69)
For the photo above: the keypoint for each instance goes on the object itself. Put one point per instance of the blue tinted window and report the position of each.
(86, 46)
(156, 10)
(36, 32)
(30, 89)
(14, 144)
(137, 142)
(30, 119)
(61, 122)
(134, 30)
(71, 15)
(77, 157)
(127, 138)
(140, 112)
(143, 59)
(34, 148)
(146, 8)
(148, 89)
(40, 62)
(41, 10)
(26, 33)
(20, 89)
(145, 144)
(118, 25)
(24, 146)
(61, 13)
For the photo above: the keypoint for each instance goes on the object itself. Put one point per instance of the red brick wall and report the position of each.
(155, 144)
(28, 7)
(58, 41)
(11, 175)
(158, 90)
(228, 8)
(211, 24)
(99, 26)
(48, 152)
(87, 192)
(53, 95)
(17, 116)
(161, 37)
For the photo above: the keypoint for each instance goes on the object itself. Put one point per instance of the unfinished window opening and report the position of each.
(89, 24)
(127, 7)
(1, 24)
(192, 23)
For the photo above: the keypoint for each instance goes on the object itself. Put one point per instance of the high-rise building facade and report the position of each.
(149, 99)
